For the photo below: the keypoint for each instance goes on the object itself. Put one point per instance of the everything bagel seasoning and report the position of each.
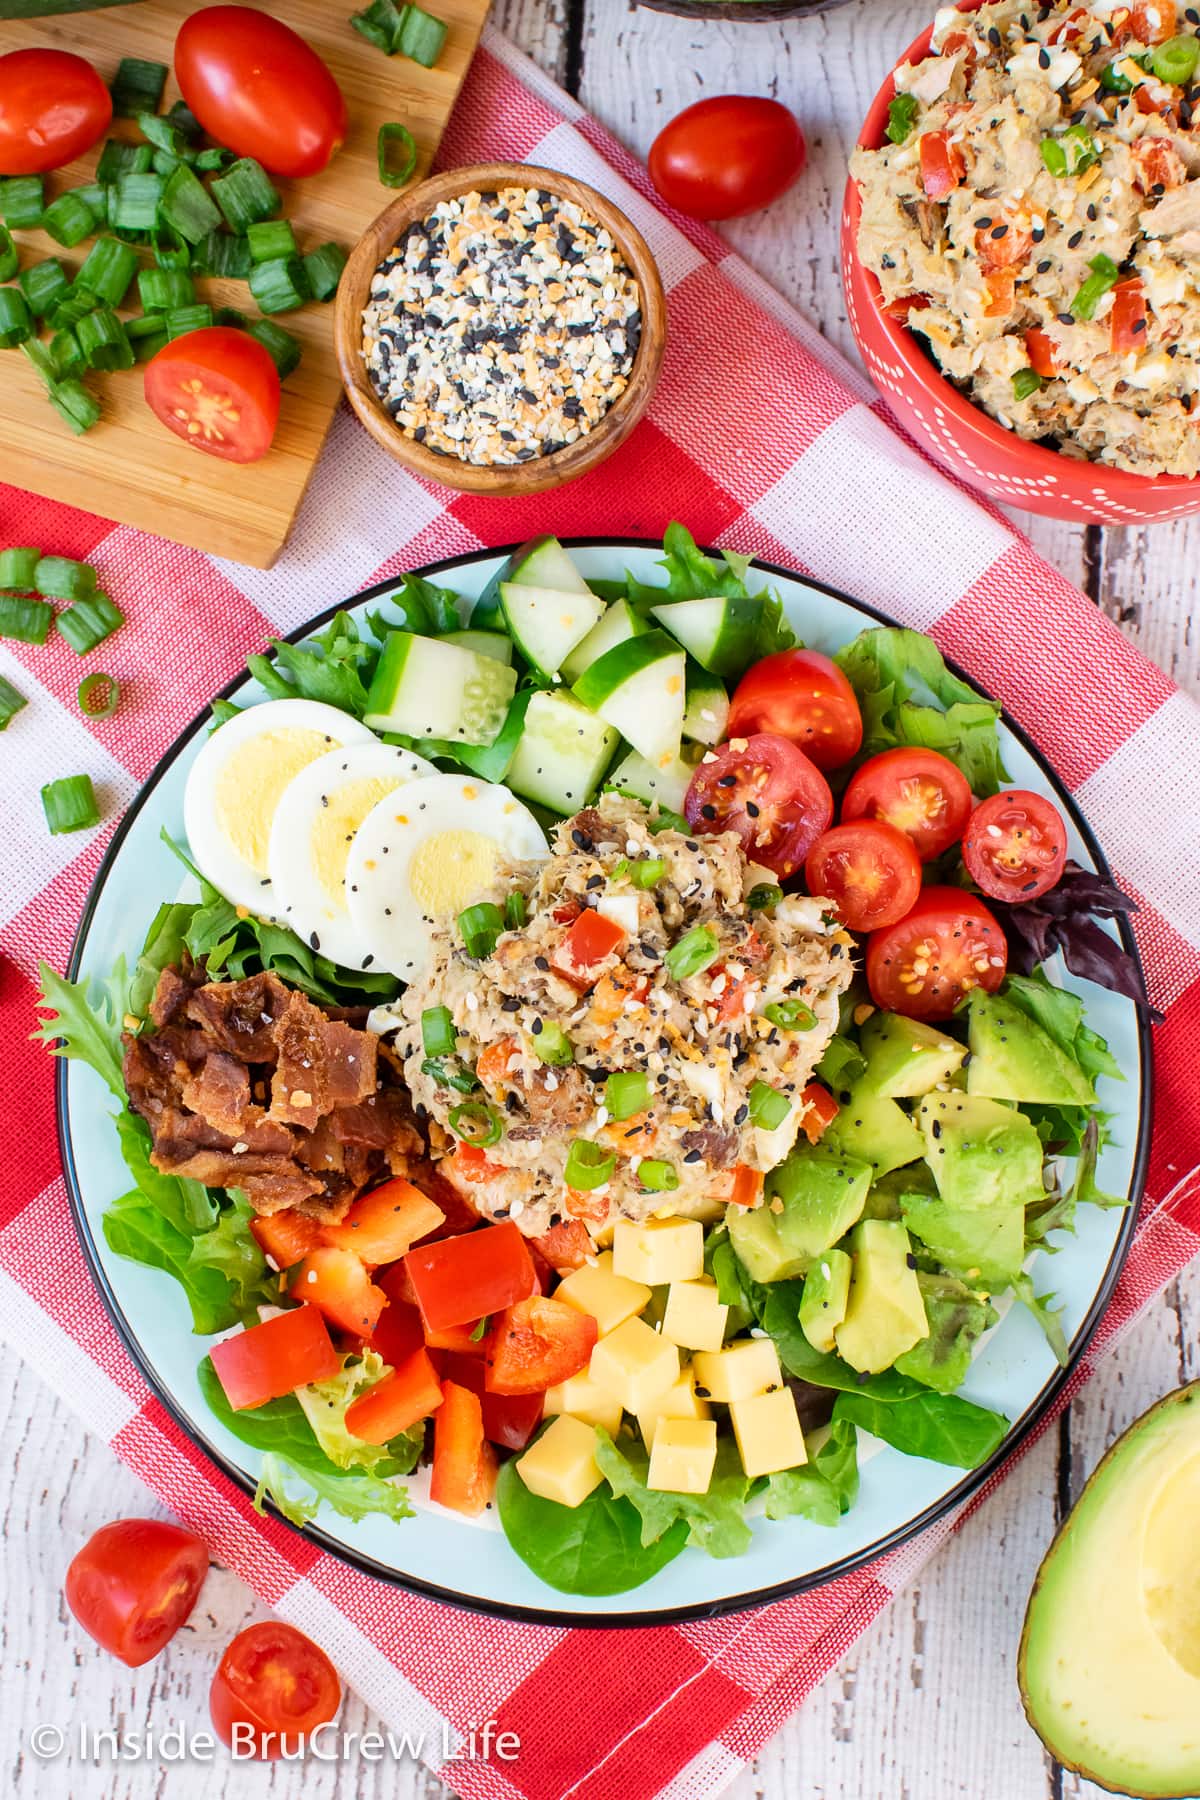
(502, 327)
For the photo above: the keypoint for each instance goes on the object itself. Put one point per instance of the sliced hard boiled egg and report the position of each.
(236, 782)
(430, 850)
(318, 814)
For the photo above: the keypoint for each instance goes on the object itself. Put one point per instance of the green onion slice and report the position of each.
(279, 285)
(69, 219)
(1104, 276)
(22, 201)
(16, 320)
(18, 567)
(165, 136)
(902, 116)
(421, 36)
(397, 154)
(626, 1093)
(790, 1015)
(71, 400)
(462, 1080)
(668, 821)
(245, 194)
(280, 345)
(768, 1107)
(479, 1329)
(162, 289)
(552, 1045)
(62, 578)
(182, 319)
(692, 953)
(136, 207)
(88, 622)
(70, 804)
(380, 24)
(137, 87)
(480, 927)
(323, 267)
(764, 897)
(187, 206)
(117, 159)
(658, 1177)
(1175, 61)
(9, 260)
(108, 269)
(99, 695)
(101, 338)
(44, 285)
(438, 1036)
(516, 912)
(476, 1123)
(65, 354)
(269, 239)
(222, 253)
(588, 1165)
(647, 871)
(1025, 382)
(25, 620)
(10, 702)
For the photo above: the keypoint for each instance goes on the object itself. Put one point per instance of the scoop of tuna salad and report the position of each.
(1035, 215)
(637, 1036)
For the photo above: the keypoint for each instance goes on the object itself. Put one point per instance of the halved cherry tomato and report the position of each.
(218, 389)
(536, 1344)
(925, 965)
(803, 696)
(727, 155)
(566, 1246)
(269, 1360)
(134, 1583)
(942, 165)
(257, 87)
(1127, 320)
(286, 1237)
(587, 945)
(464, 1463)
(383, 1224)
(768, 792)
(921, 793)
(747, 1186)
(459, 1280)
(272, 1688)
(336, 1282)
(1015, 845)
(410, 1392)
(868, 869)
(820, 1110)
(1040, 352)
(398, 1329)
(53, 107)
(509, 1420)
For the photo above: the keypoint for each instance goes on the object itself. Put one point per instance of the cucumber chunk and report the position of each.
(541, 562)
(707, 711)
(563, 751)
(721, 634)
(546, 624)
(634, 775)
(484, 643)
(427, 687)
(619, 623)
(638, 688)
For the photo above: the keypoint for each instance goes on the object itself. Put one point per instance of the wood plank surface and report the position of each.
(129, 467)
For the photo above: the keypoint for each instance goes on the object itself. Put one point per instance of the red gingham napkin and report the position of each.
(760, 438)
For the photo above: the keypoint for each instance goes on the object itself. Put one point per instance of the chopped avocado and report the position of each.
(888, 1191)
(823, 1190)
(906, 1058)
(823, 1302)
(885, 1314)
(756, 1238)
(1109, 1665)
(987, 1162)
(1012, 1058)
(876, 1130)
(958, 1316)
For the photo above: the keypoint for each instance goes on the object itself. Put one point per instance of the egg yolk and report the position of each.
(451, 868)
(340, 817)
(251, 782)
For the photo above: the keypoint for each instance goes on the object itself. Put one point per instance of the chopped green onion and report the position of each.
(626, 1093)
(1111, 81)
(103, 342)
(78, 303)
(16, 321)
(396, 150)
(117, 159)
(184, 119)
(137, 87)
(9, 260)
(1104, 276)
(146, 348)
(1071, 153)
(269, 239)
(280, 345)
(552, 1045)
(221, 253)
(170, 250)
(108, 269)
(88, 622)
(99, 695)
(245, 194)
(668, 821)
(69, 219)
(70, 804)
(10, 702)
(648, 871)
(62, 578)
(279, 285)
(213, 161)
(137, 201)
(28, 621)
(162, 289)
(902, 116)
(421, 36)
(463, 1080)
(182, 319)
(657, 1177)
(145, 325)
(37, 353)
(71, 400)
(480, 927)
(764, 896)
(516, 913)
(1054, 156)
(379, 24)
(1175, 61)
(229, 315)
(187, 205)
(692, 953)
(163, 163)
(127, 234)
(790, 1015)
(44, 284)
(22, 201)
(1025, 382)
(588, 1165)
(438, 1037)
(18, 568)
(324, 266)
(165, 136)
(768, 1107)
(476, 1123)
(65, 355)
(92, 195)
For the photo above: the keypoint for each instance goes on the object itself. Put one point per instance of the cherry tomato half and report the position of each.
(134, 1583)
(1015, 845)
(801, 695)
(255, 86)
(272, 1688)
(53, 107)
(931, 960)
(218, 389)
(920, 792)
(726, 156)
(769, 793)
(868, 869)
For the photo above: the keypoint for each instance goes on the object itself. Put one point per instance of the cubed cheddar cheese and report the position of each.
(680, 1401)
(610, 1298)
(659, 1251)
(695, 1318)
(634, 1364)
(744, 1369)
(682, 1459)
(562, 1464)
(583, 1399)
(767, 1429)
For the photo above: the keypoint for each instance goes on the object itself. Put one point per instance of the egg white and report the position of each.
(428, 851)
(318, 814)
(237, 781)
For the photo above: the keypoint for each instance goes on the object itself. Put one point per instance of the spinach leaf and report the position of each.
(943, 1428)
(133, 1227)
(334, 667)
(822, 1489)
(780, 1318)
(230, 1249)
(715, 1520)
(164, 945)
(1060, 1014)
(594, 1548)
(187, 1205)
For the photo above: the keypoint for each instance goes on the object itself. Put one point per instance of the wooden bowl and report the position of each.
(540, 472)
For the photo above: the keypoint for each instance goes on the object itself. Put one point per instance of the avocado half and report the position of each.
(1109, 1663)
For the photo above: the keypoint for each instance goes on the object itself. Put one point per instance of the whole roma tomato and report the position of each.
(53, 107)
(257, 87)
(729, 155)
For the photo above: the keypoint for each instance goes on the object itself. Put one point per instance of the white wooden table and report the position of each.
(927, 1704)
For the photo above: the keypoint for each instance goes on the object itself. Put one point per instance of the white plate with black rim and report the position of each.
(470, 1563)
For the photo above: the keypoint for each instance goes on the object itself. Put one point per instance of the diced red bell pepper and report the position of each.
(1040, 352)
(566, 911)
(458, 1338)
(469, 1164)
(1127, 321)
(286, 1237)
(1000, 287)
(337, 1282)
(566, 1246)
(458, 1213)
(509, 1420)
(460, 1279)
(942, 165)
(747, 1186)
(591, 940)
(398, 1332)
(272, 1359)
(536, 1344)
(383, 1224)
(1150, 22)
(464, 1463)
(820, 1110)
(410, 1392)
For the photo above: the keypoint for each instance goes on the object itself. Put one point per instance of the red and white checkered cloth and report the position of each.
(760, 438)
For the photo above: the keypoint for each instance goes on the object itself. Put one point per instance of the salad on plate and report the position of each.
(600, 1062)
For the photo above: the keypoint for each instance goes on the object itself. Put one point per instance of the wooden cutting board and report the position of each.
(129, 467)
